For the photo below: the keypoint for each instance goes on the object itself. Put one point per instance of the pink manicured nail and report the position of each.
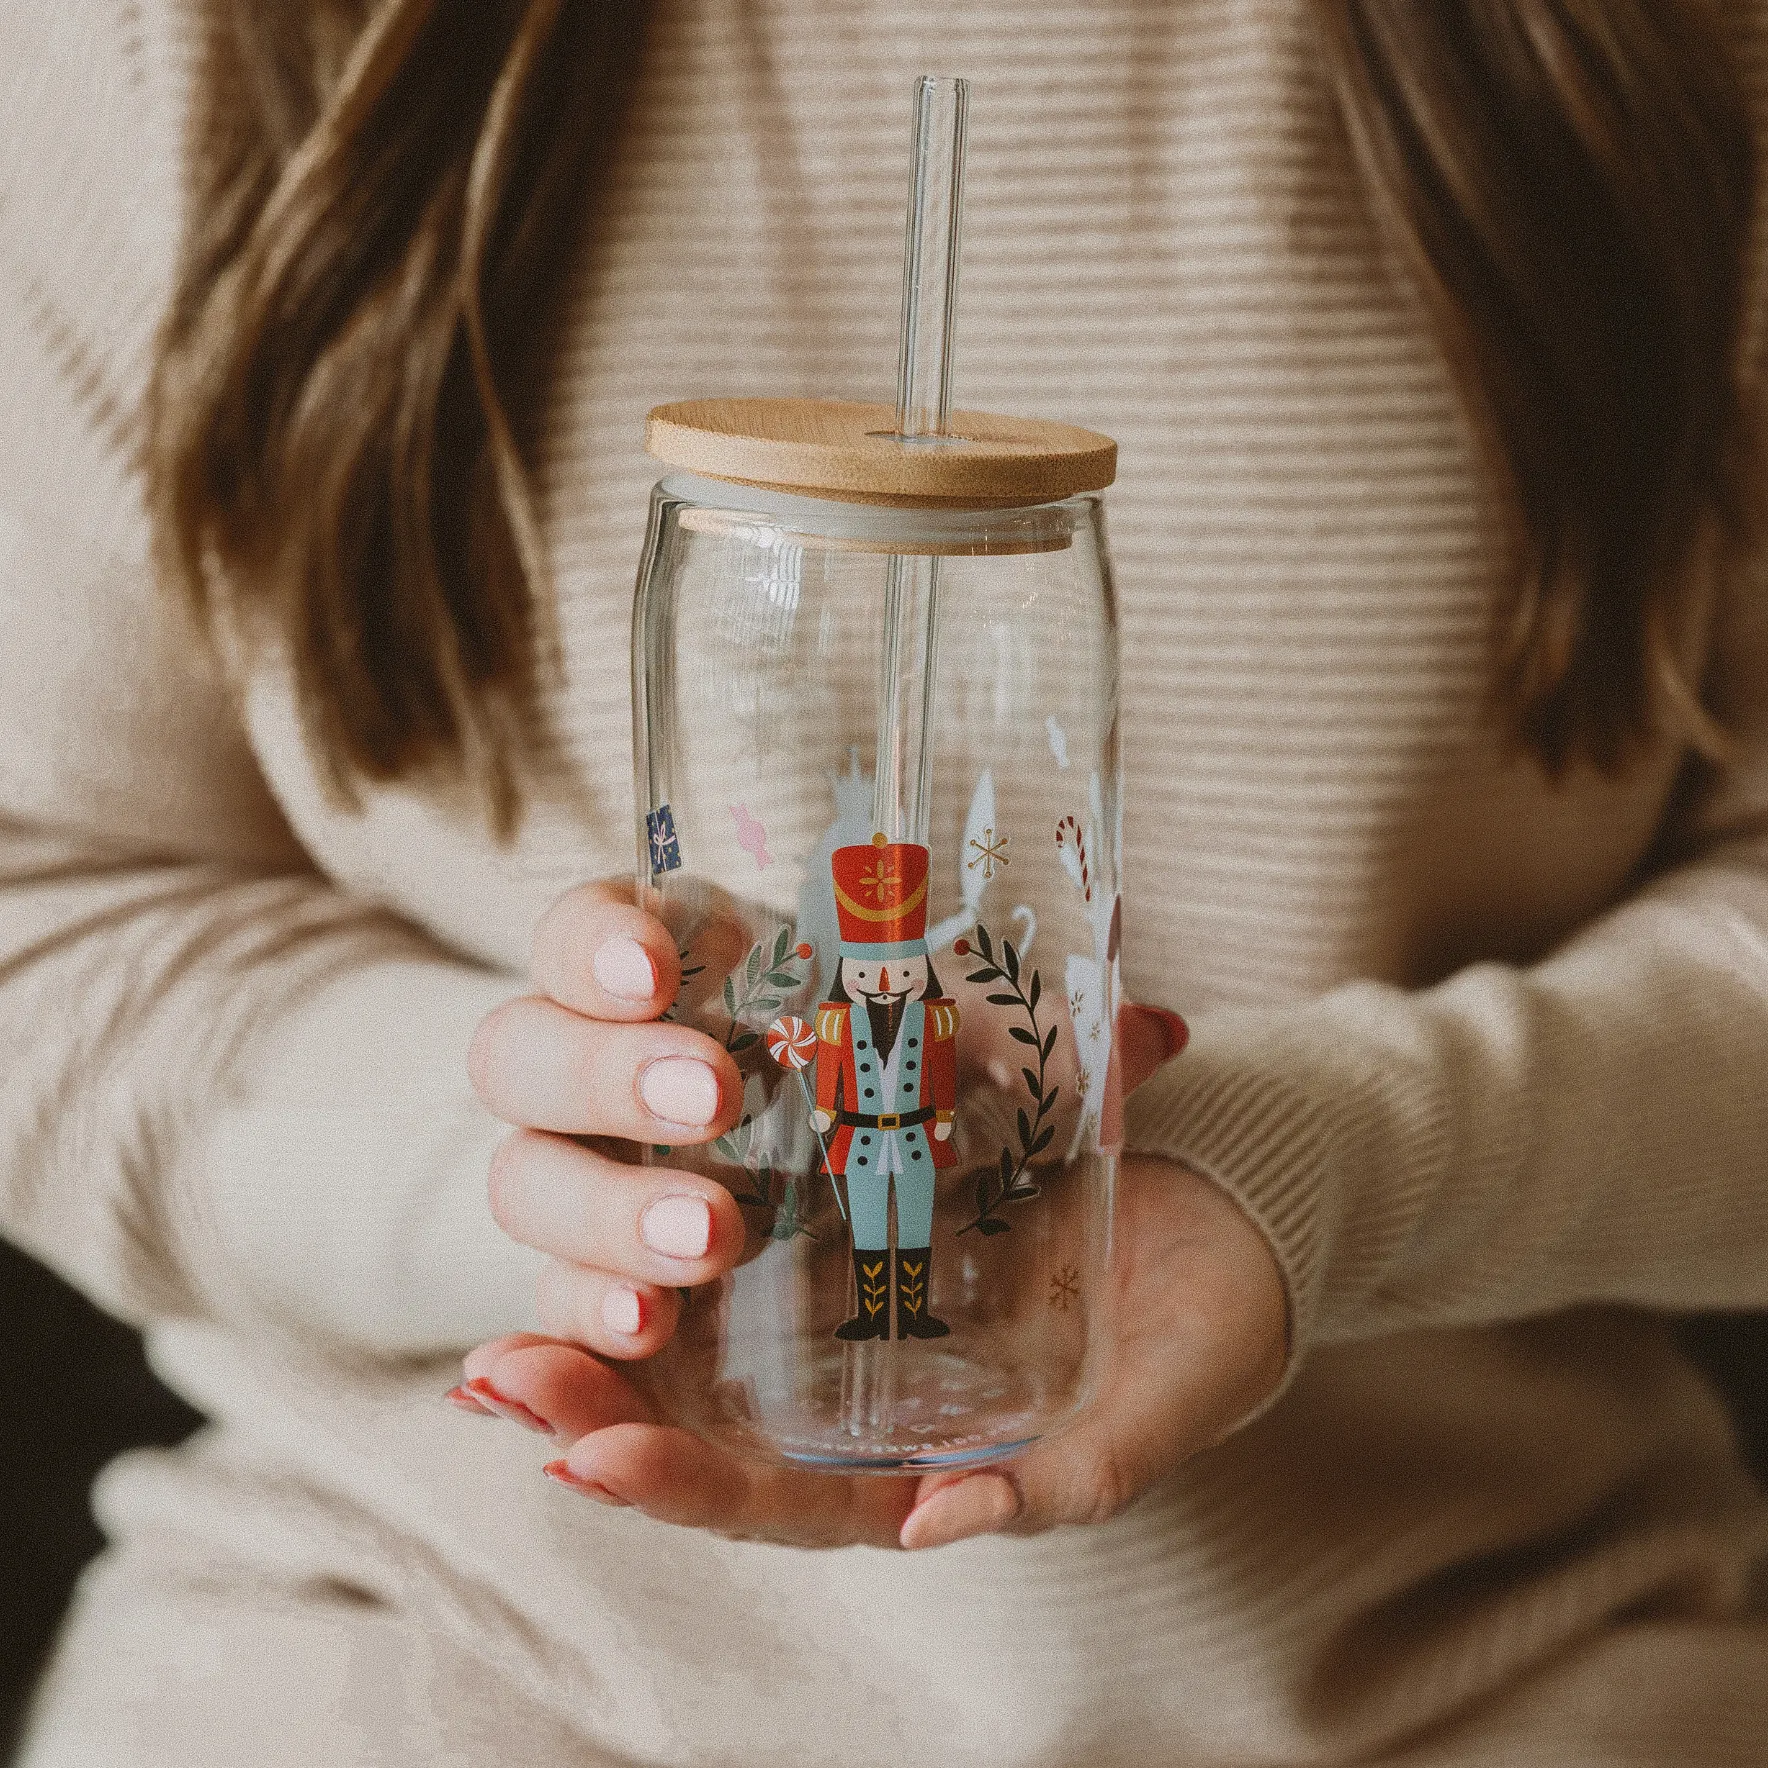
(680, 1089)
(622, 1311)
(624, 969)
(977, 1505)
(513, 1410)
(459, 1397)
(677, 1227)
(561, 1471)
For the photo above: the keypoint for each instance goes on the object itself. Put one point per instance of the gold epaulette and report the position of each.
(942, 1021)
(831, 1021)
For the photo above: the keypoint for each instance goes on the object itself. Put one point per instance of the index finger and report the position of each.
(677, 1478)
(599, 954)
(621, 1447)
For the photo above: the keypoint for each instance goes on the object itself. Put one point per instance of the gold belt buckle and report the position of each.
(890, 1121)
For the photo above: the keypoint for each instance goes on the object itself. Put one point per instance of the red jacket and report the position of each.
(837, 1074)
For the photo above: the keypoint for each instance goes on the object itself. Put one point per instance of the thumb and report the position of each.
(1086, 1476)
(1148, 1037)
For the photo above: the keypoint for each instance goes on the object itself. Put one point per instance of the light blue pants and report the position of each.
(902, 1155)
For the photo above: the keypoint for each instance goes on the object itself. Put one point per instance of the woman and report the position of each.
(1428, 336)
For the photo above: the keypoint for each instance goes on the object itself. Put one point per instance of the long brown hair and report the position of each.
(385, 196)
(385, 190)
(1573, 182)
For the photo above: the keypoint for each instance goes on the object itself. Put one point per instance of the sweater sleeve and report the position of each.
(1589, 1128)
(229, 1088)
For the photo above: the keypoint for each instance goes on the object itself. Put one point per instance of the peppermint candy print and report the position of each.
(792, 1042)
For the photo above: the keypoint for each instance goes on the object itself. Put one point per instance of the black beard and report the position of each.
(886, 1021)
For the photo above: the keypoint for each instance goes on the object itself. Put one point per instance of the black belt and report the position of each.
(855, 1120)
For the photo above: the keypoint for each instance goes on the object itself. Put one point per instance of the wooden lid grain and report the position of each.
(830, 448)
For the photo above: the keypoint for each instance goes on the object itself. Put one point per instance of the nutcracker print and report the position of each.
(886, 1082)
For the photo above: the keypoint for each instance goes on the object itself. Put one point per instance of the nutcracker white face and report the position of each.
(889, 982)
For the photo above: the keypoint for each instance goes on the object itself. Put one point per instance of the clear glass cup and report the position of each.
(893, 879)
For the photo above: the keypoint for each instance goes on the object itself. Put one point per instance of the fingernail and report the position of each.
(680, 1089)
(513, 1410)
(458, 1396)
(561, 1471)
(1177, 1032)
(975, 1506)
(678, 1227)
(624, 969)
(622, 1311)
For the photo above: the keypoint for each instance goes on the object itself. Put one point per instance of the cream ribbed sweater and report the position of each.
(1484, 1057)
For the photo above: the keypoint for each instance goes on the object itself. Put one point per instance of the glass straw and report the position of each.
(930, 258)
(902, 785)
(902, 795)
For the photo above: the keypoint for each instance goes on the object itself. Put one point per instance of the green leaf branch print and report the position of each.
(738, 1145)
(767, 977)
(1008, 1180)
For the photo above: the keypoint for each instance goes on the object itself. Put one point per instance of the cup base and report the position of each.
(879, 1407)
(935, 1460)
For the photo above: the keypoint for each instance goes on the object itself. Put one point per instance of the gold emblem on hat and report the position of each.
(880, 880)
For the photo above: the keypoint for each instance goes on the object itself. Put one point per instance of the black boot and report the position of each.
(914, 1267)
(871, 1280)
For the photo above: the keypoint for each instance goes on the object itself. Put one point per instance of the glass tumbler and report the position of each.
(879, 808)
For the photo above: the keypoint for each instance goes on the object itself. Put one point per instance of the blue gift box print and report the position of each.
(665, 849)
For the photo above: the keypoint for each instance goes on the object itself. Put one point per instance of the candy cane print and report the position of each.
(1071, 843)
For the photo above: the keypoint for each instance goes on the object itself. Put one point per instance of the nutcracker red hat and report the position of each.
(881, 899)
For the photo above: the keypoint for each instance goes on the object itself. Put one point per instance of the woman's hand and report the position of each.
(1195, 1318)
(586, 1056)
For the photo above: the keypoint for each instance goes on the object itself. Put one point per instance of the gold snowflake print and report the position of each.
(991, 851)
(1064, 1288)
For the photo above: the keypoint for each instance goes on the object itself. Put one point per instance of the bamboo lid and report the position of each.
(837, 449)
